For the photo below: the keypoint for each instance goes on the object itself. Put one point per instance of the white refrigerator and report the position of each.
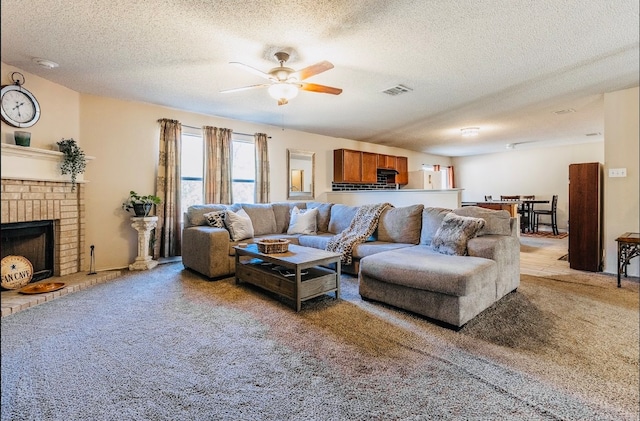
(424, 180)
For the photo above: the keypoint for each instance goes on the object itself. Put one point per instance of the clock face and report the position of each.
(19, 107)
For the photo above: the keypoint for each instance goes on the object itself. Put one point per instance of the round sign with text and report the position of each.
(17, 272)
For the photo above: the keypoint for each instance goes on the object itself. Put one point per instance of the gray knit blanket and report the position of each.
(364, 223)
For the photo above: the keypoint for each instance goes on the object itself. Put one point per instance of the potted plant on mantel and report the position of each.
(140, 205)
(74, 161)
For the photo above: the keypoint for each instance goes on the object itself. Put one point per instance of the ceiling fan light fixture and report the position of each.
(284, 91)
(470, 131)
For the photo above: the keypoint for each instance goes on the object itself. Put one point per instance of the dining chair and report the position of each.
(488, 198)
(553, 213)
(502, 197)
(526, 211)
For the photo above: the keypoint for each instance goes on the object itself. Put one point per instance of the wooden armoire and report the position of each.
(585, 217)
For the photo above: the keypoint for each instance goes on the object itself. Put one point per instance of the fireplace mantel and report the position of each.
(34, 164)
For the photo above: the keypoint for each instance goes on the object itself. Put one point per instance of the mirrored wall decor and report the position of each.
(301, 167)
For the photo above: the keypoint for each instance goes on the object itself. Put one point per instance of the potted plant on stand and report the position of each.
(140, 205)
(74, 161)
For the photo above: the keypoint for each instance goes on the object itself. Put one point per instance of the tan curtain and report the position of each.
(168, 231)
(451, 177)
(217, 165)
(262, 169)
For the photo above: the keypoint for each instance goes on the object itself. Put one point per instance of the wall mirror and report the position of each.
(301, 167)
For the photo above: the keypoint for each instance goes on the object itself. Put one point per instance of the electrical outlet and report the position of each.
(617, 172)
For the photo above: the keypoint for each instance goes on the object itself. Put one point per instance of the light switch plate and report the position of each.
(617, 172)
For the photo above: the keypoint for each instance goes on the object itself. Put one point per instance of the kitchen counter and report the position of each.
(447, 198)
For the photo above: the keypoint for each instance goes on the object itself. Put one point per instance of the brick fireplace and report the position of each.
(33, 190)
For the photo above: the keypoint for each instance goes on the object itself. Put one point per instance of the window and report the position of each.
(244, 171)
(192, 161)
(192, 179)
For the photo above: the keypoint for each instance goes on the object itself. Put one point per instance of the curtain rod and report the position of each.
(242, 134)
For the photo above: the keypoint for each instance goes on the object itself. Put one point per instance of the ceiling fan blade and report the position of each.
(251, 69)
(320, 88)
(244, 88)
(312, 70)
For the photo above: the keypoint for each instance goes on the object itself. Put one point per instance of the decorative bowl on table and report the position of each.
(273, 246)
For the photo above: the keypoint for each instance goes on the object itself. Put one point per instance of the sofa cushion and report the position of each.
(239, 225)
(341, 217)
(215, 219)
(195, 213)
(324, 214)
(367, 249)
(452, 236)
(303, 221)
(431, 221)
(421, 267)
(282, 212)
(400, 225)
(497, 222)
(319, 241)
(262, 218)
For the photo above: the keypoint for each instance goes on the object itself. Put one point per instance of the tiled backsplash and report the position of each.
(380, 185)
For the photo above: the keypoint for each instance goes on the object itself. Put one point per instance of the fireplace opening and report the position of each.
(33, 240)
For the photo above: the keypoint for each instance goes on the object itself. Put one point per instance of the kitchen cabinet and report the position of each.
(387, 162)
(402, 166)
(351, 166)
(369, 167)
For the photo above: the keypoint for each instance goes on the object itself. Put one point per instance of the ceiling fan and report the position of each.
(284, 82)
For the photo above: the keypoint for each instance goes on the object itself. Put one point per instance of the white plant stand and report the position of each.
(144, 225)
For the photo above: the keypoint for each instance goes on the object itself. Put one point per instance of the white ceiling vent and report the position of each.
(397, 90)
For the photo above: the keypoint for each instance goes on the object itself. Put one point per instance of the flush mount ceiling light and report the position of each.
(47, 64)
(470, 131)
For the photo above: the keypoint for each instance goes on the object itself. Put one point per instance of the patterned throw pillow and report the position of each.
(454, 233)
(215, 218)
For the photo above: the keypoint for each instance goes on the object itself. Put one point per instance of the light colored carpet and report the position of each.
(166, 344)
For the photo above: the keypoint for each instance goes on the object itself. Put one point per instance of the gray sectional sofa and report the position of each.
(398, 265)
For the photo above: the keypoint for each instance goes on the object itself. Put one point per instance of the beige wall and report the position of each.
(542, 172)
(123, 137)
(621, 151)
(59, 106)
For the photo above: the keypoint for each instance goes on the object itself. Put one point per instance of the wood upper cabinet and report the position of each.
(351, 166)
(387, 162)
(369, 167)
(347, 166)
(402, 166)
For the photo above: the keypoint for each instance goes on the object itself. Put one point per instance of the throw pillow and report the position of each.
(215, 218)
(454, 233)
(303, 221)
(239, 225)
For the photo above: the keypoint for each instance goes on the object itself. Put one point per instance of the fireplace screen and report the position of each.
(33, 240)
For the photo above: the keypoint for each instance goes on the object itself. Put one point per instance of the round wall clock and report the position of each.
(19, 108)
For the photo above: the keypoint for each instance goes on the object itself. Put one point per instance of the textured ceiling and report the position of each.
(502, 65)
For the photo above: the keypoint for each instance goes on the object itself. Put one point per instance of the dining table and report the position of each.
(521, 207)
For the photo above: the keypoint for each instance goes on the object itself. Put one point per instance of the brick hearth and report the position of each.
(26, 200)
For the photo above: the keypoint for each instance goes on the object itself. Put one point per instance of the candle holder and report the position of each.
(22, 138)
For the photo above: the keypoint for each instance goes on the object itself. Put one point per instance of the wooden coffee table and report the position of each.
(298, 274)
